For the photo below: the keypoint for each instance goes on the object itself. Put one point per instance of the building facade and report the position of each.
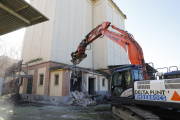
(50, 44)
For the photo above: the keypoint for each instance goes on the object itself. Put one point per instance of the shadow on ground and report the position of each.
(34, 111)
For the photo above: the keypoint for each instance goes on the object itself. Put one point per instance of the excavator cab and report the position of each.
(123, 79)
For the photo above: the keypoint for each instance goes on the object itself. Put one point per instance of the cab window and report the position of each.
(137, 75)
(117, 79)
(128, 80)
(117, 84)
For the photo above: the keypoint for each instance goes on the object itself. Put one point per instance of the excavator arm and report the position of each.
(122, 38)
(80, 54)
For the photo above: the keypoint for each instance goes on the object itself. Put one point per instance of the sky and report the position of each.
(155, 24)
(15, 38)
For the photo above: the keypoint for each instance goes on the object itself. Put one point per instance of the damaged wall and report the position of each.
(61, 92)
(10, 87)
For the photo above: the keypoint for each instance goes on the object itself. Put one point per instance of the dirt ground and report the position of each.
(34, 111)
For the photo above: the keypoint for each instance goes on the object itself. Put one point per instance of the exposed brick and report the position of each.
(66, 83)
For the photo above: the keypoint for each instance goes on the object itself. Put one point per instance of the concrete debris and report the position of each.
(81, 100)
(10, 87)
(106, 99)
(16, 67)
(75, 80)
(14, 99)
(77, 95)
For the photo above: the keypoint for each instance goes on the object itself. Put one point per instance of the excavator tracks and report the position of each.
(124, 112)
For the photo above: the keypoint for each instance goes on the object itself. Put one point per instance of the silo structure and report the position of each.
(48, 45)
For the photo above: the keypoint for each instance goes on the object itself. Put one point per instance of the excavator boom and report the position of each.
(122, 38)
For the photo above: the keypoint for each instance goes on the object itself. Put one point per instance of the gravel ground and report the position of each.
(34, 111)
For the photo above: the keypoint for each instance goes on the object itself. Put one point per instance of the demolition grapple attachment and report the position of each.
(76, 59)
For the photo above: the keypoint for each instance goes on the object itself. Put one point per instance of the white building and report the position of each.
(50, 44)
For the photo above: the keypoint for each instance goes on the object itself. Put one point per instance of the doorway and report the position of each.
(91, 86)
(29, 86)
(76, 84)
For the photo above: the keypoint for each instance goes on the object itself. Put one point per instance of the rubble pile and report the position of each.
(81, 100)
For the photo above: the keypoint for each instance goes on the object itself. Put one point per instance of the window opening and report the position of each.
(128, 80)
(117, 85)
(41, 79)
(21, 82)
(117, 79)
(56, 81)
(103, 82)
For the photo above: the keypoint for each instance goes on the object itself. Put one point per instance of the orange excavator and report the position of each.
(124, 39)
(132, 85)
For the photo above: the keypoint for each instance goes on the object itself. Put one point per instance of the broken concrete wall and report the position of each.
(10, 87)
(16, 67)
(1, 85)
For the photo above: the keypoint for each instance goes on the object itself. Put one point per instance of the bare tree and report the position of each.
(9, 54)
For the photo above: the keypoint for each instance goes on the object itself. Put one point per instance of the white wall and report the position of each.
(73, 20)
(106, 51)
(116, 54)
(37, 40)
(105, 87)
(100, 45)
(70, 21)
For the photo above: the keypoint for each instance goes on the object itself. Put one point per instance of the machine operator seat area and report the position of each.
(122, 84)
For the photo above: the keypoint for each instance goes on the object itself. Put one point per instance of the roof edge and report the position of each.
(119, 9)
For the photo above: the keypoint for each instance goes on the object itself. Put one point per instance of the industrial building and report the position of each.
(47, 48)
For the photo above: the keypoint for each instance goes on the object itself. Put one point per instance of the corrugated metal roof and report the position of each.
(16, 14)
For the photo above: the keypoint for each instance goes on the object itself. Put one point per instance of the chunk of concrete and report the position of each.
(81, 100)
